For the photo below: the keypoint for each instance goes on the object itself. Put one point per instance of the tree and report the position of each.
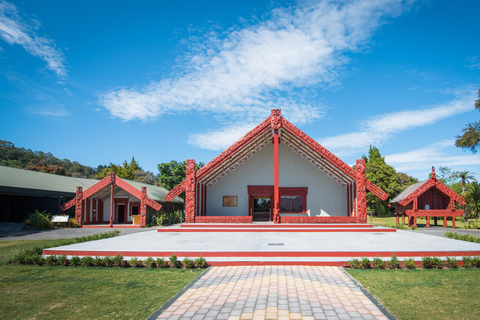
(128, 171)
(470, 137)
(473, 199)
(384, 176)
(406, 180)
(173, 173)
(465, 177)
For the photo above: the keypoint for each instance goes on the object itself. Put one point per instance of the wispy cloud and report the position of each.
(383, 127)
(21, 30)
(437, 154)
(51, 111)
(473, 63)
(243, 73)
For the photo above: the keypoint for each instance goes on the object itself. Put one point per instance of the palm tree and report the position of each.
(473, 199)
(465, 176)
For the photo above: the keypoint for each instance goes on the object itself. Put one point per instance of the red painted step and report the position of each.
(304, 229)
(107, 226)
(250, 225)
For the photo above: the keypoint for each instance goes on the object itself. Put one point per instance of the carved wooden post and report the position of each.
(276, 124)
(79, 205)
(190, 191)
(403, 217)
(445, 222)
(143, 208)
(435, 221)
(361, 191)
(452, 209)
(396, 217)
(111, 177)
(428, 222)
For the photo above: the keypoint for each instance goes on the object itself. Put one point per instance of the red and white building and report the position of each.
(276, 173)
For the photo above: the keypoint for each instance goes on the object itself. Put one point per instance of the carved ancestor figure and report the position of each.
(276, 119)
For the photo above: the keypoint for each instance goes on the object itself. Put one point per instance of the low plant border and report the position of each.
(463, 237)
(428, 262)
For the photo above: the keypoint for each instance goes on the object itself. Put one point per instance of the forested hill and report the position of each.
(22, 158)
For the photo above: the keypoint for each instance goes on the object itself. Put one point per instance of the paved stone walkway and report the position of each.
(273, 292)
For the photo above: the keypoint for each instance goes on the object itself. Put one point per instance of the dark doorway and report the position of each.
(121, 213)
(261, 208)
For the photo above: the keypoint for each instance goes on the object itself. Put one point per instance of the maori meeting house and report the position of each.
(276, 173)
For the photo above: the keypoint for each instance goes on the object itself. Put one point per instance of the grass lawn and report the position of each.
(40, 292)
(425, 294)
(421, 222)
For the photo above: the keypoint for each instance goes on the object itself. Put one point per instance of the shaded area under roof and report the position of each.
(34, 180)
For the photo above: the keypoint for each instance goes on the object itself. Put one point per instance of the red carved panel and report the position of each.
(318, 219)
(68, 205)
(143, 208)
(224, 219)
(276, 119)
(361, 191)
(376, 191)
(434, 213)
(175, 192)
(190, 191)
(79, 205)
(258, 191)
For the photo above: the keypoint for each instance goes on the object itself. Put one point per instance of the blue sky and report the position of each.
(100, 82)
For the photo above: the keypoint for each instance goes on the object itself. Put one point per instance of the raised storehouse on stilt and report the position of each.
(114, 200)
(276, 173)
(429, 198)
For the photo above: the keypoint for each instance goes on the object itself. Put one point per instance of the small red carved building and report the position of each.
(114, 200)
(276, 173)
(429, 198)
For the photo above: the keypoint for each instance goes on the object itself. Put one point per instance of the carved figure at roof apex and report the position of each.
(434, 177)
(276, 119)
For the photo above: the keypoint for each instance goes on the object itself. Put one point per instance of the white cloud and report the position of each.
(60, 111)
(22, 31)
(442, 153)
(381, 128)
(248, 71)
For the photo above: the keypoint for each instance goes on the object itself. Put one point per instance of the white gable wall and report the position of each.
(325, 196)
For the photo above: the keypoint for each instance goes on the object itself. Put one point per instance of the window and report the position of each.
(291, 204)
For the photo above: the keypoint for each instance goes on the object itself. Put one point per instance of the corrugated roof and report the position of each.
(405, 193)
(27, 179)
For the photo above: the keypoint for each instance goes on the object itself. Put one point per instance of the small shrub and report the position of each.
(452, 262)
(173, 262)
(366, 263)
(188, 263)
(463, 237)
(39, 220)
(467, 262)
(108, 261)
(62, 260)
(161, 263)
(409, 263)
(86, 261)
(200, 262)
(72, 223)
(394, 263)
(437, 263)
(51, 260)
(75, 261)
(98, 262)
(136, 263)
(378, 263)
(354, 263)
(476, 262)
(150, 262)
(118, 261)
(427, 262)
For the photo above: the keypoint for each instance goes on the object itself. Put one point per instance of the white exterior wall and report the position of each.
(325, 196)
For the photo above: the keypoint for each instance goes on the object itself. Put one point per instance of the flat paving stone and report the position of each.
(305, 292)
